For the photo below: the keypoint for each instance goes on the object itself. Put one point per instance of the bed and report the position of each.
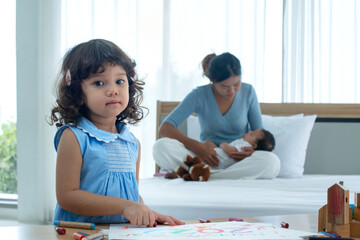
(327, 151)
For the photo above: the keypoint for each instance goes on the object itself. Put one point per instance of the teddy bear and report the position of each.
(196, 171)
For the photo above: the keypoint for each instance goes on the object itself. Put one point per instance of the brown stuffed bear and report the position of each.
(197, 170)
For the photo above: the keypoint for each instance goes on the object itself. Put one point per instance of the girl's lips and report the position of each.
(113, 102)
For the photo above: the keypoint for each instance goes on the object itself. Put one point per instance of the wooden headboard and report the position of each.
(323, 111)
(339, 115)
(337, 111)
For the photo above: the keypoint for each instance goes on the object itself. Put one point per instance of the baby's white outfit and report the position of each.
(226, 161)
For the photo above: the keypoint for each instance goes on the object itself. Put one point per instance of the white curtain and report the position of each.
(321, 51)
(38, 54)
(169, 38)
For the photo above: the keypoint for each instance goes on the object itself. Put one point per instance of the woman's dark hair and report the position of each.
(267, 143)
(220, 67)
(83, 60)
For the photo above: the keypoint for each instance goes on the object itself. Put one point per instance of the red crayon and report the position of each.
(204, 220)
(284, 225)
(235, 219)
(60, 230)
(79, 236)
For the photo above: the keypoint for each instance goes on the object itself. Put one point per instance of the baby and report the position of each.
(260, 139)
(196, 170)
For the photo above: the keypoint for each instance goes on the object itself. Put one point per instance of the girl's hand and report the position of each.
(206, 152)
(238, 156)
(139, 214)
(169, 219)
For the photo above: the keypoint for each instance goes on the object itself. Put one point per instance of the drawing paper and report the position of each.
(215, 230)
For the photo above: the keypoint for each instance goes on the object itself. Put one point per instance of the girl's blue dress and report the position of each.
(108, 169)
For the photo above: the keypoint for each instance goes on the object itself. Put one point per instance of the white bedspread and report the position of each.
(241, 198)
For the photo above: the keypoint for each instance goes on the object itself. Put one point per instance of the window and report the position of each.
(169, 47)
(8, 182)
(290, 51)
(321, 51)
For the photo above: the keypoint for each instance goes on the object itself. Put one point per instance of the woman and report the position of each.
(227, 109)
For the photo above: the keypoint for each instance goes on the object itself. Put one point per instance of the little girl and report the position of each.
(98, 158)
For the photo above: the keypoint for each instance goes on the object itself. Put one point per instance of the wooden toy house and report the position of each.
(337, 216)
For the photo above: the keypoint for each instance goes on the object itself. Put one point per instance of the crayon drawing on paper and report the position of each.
(215, 230)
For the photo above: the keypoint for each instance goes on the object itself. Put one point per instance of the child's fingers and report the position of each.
(146, 220)
(141, 219)
(134, 221)
(171, 220)
(140, 215)
(174, 221)
(152, 220)
(160, 218)
(153, 225)
(177, 221)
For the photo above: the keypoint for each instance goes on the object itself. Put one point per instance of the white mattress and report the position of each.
(241, 198)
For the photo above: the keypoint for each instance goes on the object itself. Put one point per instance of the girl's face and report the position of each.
(106, 93)
(229, 87)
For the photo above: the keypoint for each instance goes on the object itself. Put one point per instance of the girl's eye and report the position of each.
(120, 81)
(98, 83)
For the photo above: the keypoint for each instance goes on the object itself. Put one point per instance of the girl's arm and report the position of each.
(206, 153)
(72, 199)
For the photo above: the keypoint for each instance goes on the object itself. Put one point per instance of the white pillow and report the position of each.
(292, 135)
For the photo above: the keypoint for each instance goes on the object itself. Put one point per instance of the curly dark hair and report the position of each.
(83, 60)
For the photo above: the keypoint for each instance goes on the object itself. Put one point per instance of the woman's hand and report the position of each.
(205, 151)
(210, 144)
(167, 219)
(238, 156)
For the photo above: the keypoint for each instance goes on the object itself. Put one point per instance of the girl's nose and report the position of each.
(113, 90)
